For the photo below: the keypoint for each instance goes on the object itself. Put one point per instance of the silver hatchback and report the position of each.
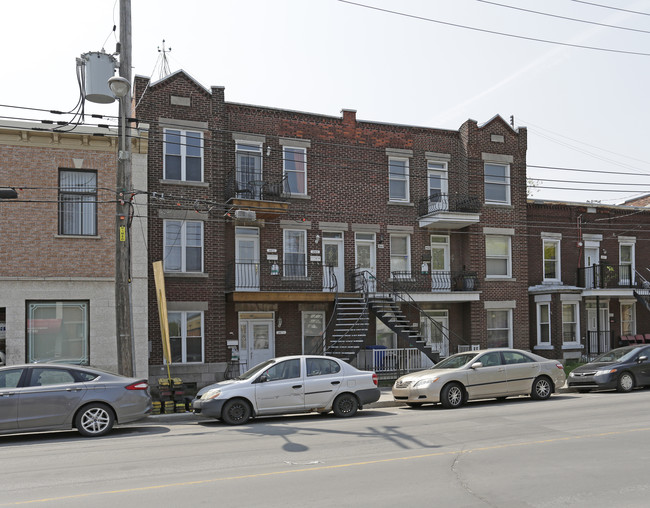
(37, 397)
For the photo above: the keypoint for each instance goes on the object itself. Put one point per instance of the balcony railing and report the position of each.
(605, 276)
(435, 281)
(437, 203)
(242, 186)
(598, 343)
(393, 361)
(268, 276)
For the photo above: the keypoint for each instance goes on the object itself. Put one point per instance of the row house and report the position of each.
(57, 246)
(285, 232)
(589, 272)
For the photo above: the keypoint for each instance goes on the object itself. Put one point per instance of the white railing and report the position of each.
(393, 360)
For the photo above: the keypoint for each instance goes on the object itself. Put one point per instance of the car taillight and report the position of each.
(375, 379)
(559, 366)
(140, 385)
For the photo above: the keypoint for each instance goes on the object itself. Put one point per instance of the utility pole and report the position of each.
(123, 318)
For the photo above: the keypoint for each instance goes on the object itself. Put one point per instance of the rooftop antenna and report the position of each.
(164, 64)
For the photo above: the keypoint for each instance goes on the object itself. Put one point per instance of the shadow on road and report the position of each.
(66, 436)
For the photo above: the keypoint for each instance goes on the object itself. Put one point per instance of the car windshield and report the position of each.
(251, 372)
(455, 362)
(621, 354)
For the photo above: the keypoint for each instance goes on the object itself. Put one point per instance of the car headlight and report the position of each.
(425, 382)
(211, 394)
(572, 374)
(605, 371)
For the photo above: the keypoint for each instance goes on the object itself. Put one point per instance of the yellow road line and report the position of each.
(323, 468)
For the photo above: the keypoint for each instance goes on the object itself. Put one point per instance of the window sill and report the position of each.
(195, 275)
(297, 196)
(543, 347)
(500, 205)
(400, 203)
(552, 282)
(500, 279)
(80, 237)
(184, 183)
(572, 345)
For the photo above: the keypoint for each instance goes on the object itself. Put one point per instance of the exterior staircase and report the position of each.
(643, 297)
(389, 312)
(349, 328)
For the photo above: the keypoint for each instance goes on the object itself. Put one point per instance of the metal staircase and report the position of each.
(349, 328)
(642, 294)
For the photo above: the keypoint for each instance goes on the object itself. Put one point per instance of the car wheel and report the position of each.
(345, 404)
(625, 382)
(452, 396)
(94, 420)
(414, 404)
(542, 388)
(236, 412)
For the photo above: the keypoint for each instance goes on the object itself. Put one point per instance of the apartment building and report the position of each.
(285, 232)
(57, 248)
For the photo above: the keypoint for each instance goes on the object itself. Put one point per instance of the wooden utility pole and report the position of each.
(123, 318)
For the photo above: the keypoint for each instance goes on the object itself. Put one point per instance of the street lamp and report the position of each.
(120, 87)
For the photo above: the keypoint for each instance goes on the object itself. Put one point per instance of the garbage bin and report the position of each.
(378, 356)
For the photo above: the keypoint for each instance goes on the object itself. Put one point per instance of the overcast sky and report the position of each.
(431, 63)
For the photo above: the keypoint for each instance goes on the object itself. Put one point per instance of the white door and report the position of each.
(440, 271)
(283, 388)
(256, 340)
(591, 274)
(436, 334)
(247, 259)
(598, 343)
(333, 264)
(366, 260)
(437, 177)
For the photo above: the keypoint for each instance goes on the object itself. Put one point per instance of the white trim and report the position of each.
(500, 304)
(399, 178)
(543, 298)
(539, 324)
(499, 231)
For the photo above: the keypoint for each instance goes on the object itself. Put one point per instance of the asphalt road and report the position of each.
(572, 450)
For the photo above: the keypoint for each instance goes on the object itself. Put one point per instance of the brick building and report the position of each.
(284, 232)
(57, 248)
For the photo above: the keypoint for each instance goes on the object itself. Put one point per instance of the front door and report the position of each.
(333, 265)
(366, 261)
(434, 327)
(591, 271)
(256, 338)
(437, 177)
(440, 271)
(598, 343)
(247, 259)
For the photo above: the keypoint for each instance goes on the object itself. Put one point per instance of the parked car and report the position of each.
(621, 369)
(43, 396)
(492, 373)
(290, 384)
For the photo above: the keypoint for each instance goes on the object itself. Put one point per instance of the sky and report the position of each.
(432, 63)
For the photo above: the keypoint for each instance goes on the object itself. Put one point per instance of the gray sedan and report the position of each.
(493, 373)
(37, 397)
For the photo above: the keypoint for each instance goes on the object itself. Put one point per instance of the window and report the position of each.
(398, 179)
(183, 155)
(497, 183)
(77, 202)
(497, 252)
(437, 181)
(295, 253)
(186, 336)
(551, 259)
(499, 328)
(313, 326)
(626, 262)
(321, 367)
(289, 369)
(400, 256)
(249, 171)
(570, 326)
(628, 319)
(183, 246)
(295, 169)
(543, 324)
(44, 376)
(58, 330)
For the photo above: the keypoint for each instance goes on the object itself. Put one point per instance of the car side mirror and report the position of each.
(642, 359)
(477, 365)
(263, 378)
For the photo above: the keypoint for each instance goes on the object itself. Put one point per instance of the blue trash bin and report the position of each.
(378, 355)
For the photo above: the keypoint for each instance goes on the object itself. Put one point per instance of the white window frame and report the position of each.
(407, 256)
(541, 343)
(307, 315)
(632, 305)
(632, 245)
(404, 179)
(300, 174)
(182, 237)
(286, 252)
(184, 148)
(249, 148)
(507, 257)
(490, 181)
(556, 261)
(509, 327)
(576, 306)
(183, 336)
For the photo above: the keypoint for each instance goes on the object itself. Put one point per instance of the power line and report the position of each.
(494, 32)
(612, 8)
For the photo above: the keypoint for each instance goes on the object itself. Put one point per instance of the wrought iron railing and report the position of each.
(598, 343)
(268, 276)
(436, 280)
(438, 202)
(241, 186)
(605, 276)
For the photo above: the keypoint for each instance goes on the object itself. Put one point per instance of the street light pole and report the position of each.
(123, 316)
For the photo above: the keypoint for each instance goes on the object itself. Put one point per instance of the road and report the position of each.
(572, 450)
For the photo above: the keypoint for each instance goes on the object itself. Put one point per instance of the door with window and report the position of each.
(366, 261)
(247, 259)
(598, 342)
(440, 271)
(256, 338)
(333, 264)
(592, 278)
(434, 328)
(282, 389)
(437, 179)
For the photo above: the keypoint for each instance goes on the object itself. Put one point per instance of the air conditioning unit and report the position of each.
(245, 214)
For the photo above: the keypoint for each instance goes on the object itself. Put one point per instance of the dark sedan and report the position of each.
(42, 396)
(621, 369)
